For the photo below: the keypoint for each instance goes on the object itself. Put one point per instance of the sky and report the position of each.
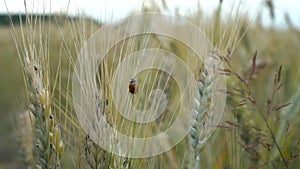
(105, 10)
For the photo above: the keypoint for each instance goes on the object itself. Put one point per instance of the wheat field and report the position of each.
(258, 128)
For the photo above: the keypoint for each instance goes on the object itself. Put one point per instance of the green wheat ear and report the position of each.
(48, 139)
(47, 136)
(200, 113)
(34, 58)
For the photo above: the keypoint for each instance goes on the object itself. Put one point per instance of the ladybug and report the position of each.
(132, 86)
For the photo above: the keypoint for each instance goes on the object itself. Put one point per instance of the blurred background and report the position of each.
(272, 31)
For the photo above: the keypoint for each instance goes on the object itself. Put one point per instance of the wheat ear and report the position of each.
(200, 115)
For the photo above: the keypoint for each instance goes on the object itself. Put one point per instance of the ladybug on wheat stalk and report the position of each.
(132, 86)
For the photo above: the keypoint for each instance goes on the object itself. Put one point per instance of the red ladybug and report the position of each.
(132, 86)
